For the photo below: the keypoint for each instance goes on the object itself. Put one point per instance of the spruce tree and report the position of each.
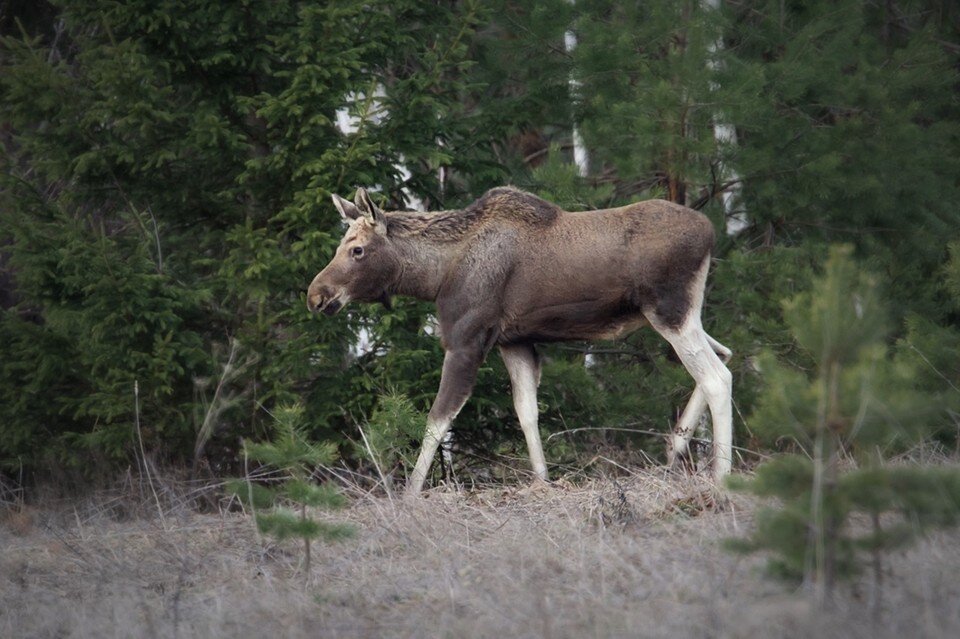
(167, 172)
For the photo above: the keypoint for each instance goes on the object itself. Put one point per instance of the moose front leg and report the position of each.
(456, 384)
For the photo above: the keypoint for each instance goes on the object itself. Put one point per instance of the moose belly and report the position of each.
(582, 320)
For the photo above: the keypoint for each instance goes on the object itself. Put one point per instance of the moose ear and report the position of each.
(370, 210)
(346, 208)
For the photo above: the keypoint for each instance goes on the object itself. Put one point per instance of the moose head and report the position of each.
(365, 264)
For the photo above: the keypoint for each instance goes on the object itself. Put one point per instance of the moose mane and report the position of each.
(503, 203)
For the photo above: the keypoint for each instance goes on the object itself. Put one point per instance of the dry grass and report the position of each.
(637, 556)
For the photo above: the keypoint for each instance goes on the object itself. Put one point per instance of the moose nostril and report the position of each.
(314, 302)
(332, 307)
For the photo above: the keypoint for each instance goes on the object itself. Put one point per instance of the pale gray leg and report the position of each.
(456, 383)
(523, 365)
(714, 386)
(436, 429)
(690, 418)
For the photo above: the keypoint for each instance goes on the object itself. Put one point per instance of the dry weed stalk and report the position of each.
(143, 453)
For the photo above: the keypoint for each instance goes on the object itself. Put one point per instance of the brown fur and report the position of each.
(513, 269)
(573, 275)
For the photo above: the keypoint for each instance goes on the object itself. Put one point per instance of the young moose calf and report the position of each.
(511, 270)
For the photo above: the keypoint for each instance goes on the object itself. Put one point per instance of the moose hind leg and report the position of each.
(714, 385)
(690, 418)
(679, 442)
(523, 365)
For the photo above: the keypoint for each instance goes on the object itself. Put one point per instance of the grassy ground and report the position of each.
(635, 557)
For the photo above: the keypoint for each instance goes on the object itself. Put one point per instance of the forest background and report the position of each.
(165, 193)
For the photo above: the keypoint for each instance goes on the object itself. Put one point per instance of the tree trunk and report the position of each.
(726, 136)
(580, 156)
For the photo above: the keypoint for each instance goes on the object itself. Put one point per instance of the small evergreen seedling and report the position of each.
(281, 510)
(392, 434)
(855, 401)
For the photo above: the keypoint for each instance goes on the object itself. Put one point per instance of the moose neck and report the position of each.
(424, 262)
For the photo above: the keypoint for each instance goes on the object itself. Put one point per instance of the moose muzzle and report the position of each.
(324, 299)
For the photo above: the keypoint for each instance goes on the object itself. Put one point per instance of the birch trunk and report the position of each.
(580, 157)
(726, 136)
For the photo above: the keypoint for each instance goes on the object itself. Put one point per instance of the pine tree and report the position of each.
(392, 436)
(294, 457)
(648, 89)
(848, 129)
(858, 404)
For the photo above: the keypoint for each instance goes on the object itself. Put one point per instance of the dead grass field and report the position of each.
(634, 557)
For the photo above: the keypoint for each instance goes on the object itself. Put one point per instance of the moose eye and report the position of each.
(356, 251)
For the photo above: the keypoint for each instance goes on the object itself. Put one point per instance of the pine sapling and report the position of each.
(281, 510)
(847, 408)
(391, 436)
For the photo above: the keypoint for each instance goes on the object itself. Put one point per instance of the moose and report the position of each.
(512, 270)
